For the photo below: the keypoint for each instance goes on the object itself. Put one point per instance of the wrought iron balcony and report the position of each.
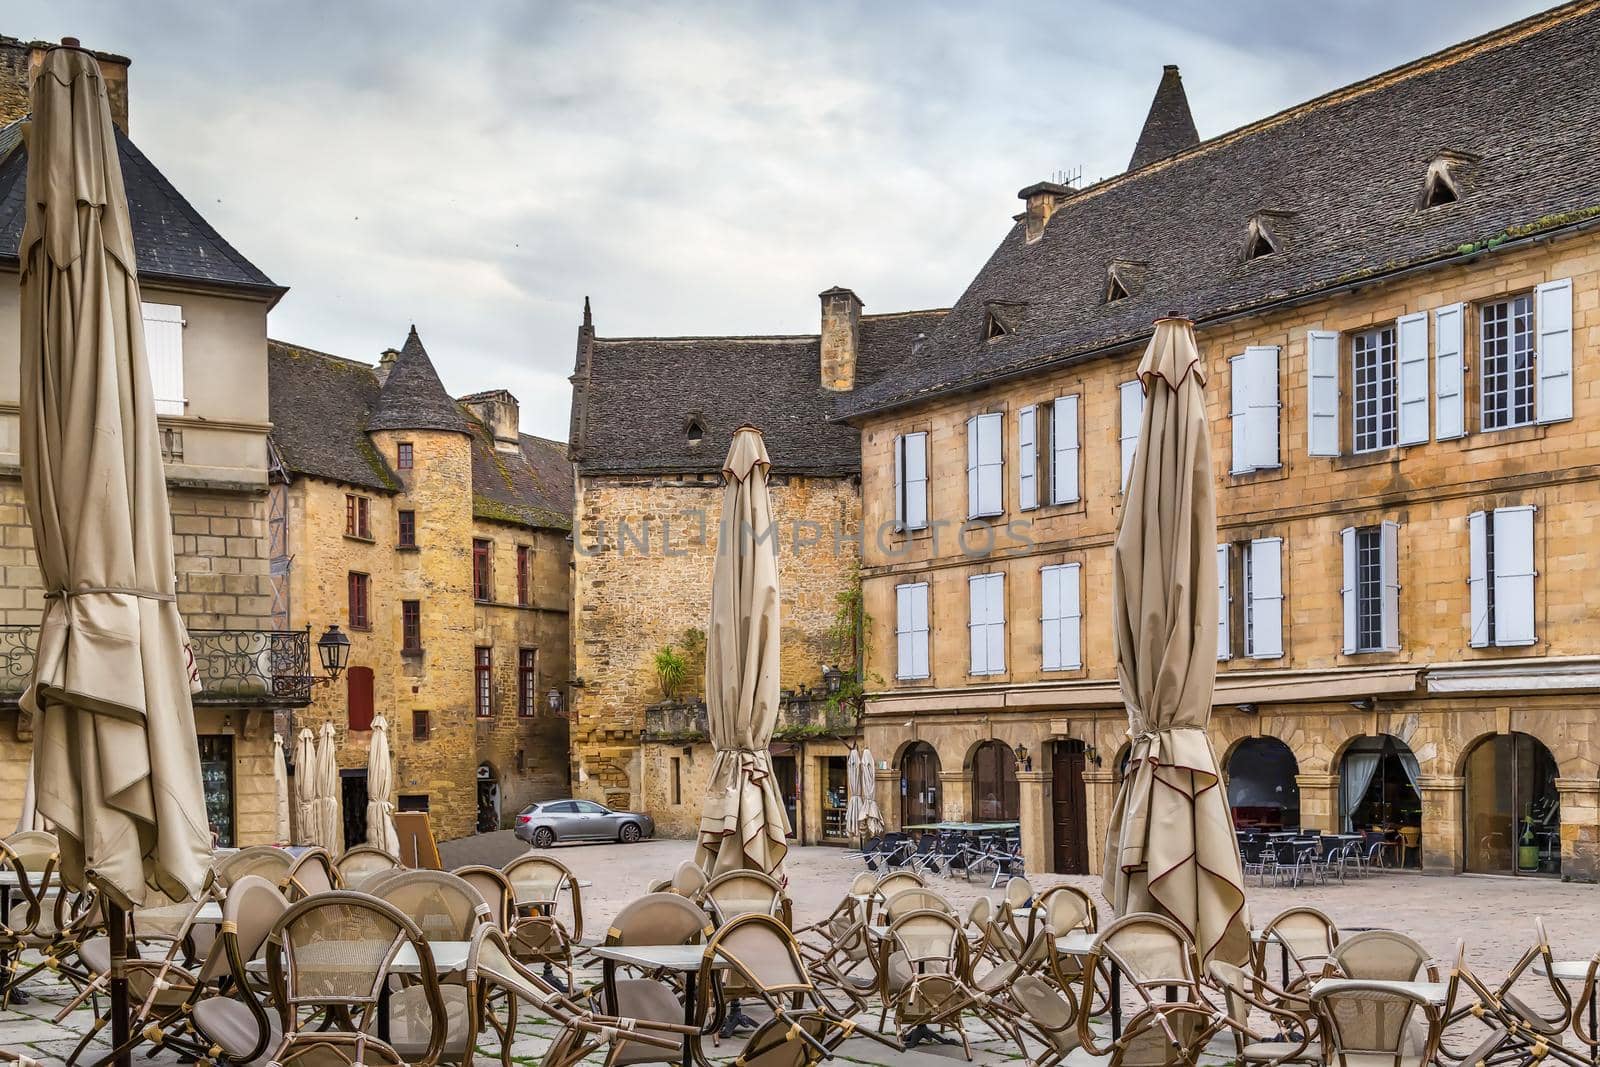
(254, 668)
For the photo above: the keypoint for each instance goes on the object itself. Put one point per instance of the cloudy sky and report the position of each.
(478, 168)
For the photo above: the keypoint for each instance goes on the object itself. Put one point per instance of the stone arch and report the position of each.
(1262, 773)
(1511, 808)
(921, 789)
(489, 796)
(1564, 753)
(992, 773)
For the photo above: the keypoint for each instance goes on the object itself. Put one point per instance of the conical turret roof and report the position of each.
(413, 397)
(1169, 127)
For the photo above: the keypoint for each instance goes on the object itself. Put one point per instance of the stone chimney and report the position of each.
(386, 364)
(20, 60)
(1042, 199)
(841, 338)
(498, 410)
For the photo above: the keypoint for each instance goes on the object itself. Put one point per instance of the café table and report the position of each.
(680, 959)
(1574, 971)
(1081, 943)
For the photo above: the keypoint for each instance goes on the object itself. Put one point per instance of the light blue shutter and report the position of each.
(1262, 401)
(1224, 603)
(916, 481)
(978, 618)
(1028, 458)
(1064, 444)
(1347, 589)
(1050, 618)
(973, 508)
(919, 623)
(1239, 413)
(1478, 579)
(905, 657)
(163, 343)
(1553, 319)
(1513, 576)
(1071, 616)
(1411, 333)
(1322, 393)
(1132, 398)
(1389, 562)
(997, 623)
(899, 482)
(1449, 372)
(1266, 598)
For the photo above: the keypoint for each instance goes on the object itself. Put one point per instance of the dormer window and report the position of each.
(1259, 241)
(695, 431)
(1439, 188)
(993, 328)
(1114, 289)
(1124, 278)
(1001, 318)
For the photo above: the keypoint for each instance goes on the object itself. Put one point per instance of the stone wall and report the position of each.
(642, 577)
(1428, 489)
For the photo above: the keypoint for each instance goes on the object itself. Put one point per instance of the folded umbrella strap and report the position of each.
(111, 590)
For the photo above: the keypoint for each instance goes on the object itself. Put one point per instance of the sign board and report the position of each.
(417, 847)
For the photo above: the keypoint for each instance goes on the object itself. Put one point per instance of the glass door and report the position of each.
(216, 774)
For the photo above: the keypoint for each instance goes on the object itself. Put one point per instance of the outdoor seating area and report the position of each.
(1296, 857)
(288, 954)
(973, 851)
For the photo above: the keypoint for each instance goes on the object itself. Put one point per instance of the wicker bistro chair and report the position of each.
(1307, 937)
(443, 906)
(735, 893)
(1518, 1031)
(1158, 1035)
(1244, 993)
(234, 1027)
(908, 900)
(362, 861)
(895, 881)
(30, 856)
(495, 889)
(1383, 956)
(540, 934)
(312, 872)
(268, 861)
(924, 979)
(1365, 1024)
(653, 919)
(689, 880)
(328, 960)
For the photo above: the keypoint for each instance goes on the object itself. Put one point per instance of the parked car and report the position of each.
(543, 824)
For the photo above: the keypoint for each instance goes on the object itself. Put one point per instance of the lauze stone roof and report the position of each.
(323, 408)
(1339, 184)
(171, 240)
(634, 402)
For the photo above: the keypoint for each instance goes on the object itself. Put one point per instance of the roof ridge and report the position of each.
(906, 314)
(1447, 56)
(289, 346)
(795, 338)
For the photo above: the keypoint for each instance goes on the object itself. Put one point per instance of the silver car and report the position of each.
(543, 824)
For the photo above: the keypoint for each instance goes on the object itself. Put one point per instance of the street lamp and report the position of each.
(554, 699)
(832, 679)
(1024, 761)
(333, 649)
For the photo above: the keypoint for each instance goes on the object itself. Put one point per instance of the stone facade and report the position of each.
(1437, 695)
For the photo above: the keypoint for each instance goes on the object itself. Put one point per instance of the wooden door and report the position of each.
(1071, 809)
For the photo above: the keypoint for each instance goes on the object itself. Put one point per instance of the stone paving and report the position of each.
(1495, 916)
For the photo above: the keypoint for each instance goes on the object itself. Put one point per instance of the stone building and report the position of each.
(205, 319)
(435, 533)
(1396, 290)
(651, 422)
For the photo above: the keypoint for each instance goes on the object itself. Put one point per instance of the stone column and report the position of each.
(1442, 805)
(1033, 788)
(955, 796)
(1319, 802)
(1580, 828)
(1100, 787)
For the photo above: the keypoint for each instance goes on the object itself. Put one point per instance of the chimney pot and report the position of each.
(386, 364)
(841, 338)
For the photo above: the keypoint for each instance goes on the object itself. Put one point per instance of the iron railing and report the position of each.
(259, 668)
(807, 714)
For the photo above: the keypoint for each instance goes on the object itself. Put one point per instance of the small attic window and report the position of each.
(695, 430)
(1115, 290)
(1258, 241)
(1439, 188)
(993, 328)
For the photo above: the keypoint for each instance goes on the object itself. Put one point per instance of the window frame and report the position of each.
(524, 576)
(405, 456)
(527, 683)
(410, 626)
(406, 528)
(358, 589)
(908, 489)
(1071, 620)
(1385, 386)
(483, 681)
(1508, 392)
(1368, 589)
(482, 577)
(987, 625)
(421, 724)
(903, 632)
(358, 516)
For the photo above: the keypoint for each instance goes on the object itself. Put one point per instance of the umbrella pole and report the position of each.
(117, 933)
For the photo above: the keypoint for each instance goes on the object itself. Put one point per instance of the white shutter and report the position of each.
(1224, 646)
(1132, 396)
(977, 616)
(1348, 589)
(916, 481)
(905, 655)
(1239, 413)
(1050, 618)
(1411, 333)
(1064, 445)
(1028, 458)
(899, 482)
(919, 622)
(997, 623)
(1322, 393)
(1266, 598)
(1389, 563)
(984, 464)
(1071, 617)
(972, 467)
(1553, 319)
(163, 343)
(1478, 580)
(1449, 372)
(1261, 442)
(1513, 576)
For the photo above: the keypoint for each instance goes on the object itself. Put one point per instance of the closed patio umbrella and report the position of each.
(853, 808)
(1170, 846)
(742, 822)
(871, 817)
(330, 821)
(380, 823)
(305, 789)
(280, 793)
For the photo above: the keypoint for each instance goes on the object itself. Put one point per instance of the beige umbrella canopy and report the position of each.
(329, 818)
(742, 823)
(1170, 846)
(306, 831)
(117, 766)
(280, 793)
(870, 819)
(380, 822)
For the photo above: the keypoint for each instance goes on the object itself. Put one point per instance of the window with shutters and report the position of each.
(987, 623)
(1375, 408)
(358, 697)
(1501, 576)
(482, 570)
(359, 618)
(911, 481)
(1060, 449)
(411, 626)
(1027, 458)
(527, 682)
(1131, 403)
(1506, 354)
(1061, 617)
(1250, 599)
(524, 576)
(1253, 388)
(1369, 591)
(163, 344)
(1371, 588)
(406, 535)
(911, 630)
(358, 516)
(483, 681)
(985, 462)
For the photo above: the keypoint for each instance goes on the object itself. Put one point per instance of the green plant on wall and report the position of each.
(693, 644)
(671, 670)
(849, 636)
